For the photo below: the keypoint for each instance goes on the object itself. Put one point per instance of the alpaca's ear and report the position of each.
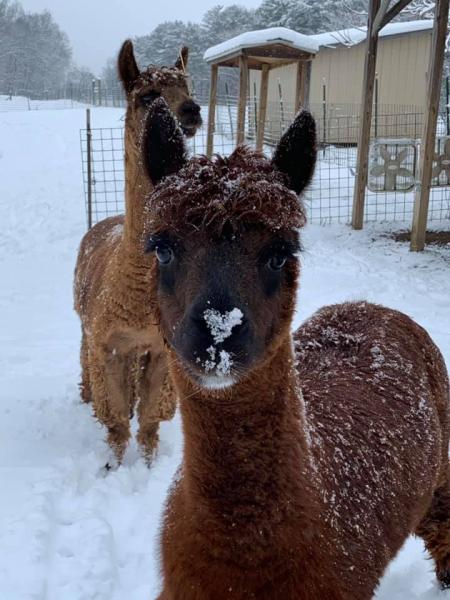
(165, 151)
(127, 66)
(182, 60)
(296, 153)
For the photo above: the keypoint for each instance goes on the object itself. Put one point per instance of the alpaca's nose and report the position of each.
(189, 107)
(216, 326)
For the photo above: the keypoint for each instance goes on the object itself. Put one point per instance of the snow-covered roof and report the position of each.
(356, 35)
(280, 35)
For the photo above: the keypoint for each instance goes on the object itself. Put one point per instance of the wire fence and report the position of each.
(393, 162)
(71, 95)
(89, 93)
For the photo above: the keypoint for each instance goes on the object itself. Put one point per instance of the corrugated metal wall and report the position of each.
(402, 66)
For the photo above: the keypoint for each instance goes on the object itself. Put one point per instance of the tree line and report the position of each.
(36, 56)
(34, 53)
(221, 23)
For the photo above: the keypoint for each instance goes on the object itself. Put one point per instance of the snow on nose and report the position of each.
(221, 327)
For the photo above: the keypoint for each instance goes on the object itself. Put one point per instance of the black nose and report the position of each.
(189, 107)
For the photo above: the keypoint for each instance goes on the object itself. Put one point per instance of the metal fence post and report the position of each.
(447, 100)
(227, 94)
(99, 91)
(89, 165)
(376, 105)
(255, 107)
(324, 115)
(280, 94)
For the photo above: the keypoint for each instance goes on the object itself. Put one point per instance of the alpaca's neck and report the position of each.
(246, 451)
(137, 187)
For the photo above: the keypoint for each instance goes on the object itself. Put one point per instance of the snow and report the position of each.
(356, 35)
(260, 37)
(66, 531)
(309, 43)
(8, 103)
(221, 325)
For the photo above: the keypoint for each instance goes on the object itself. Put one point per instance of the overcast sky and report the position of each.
(96, 28)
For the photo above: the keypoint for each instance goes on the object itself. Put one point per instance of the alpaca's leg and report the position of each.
(85, 384)
(435, 531)
(111, 398)
(157, 402)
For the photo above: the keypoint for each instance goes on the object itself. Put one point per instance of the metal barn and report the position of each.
(335, 83)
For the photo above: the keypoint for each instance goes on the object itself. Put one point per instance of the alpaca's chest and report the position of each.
(210, 557)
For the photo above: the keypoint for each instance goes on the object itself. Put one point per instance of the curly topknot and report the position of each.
(207, 194)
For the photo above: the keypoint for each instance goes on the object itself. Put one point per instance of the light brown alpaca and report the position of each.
(121, 351)
(308, 459)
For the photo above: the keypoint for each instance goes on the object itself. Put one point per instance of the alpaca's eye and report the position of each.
(164, 254)
(149, 97)
(276, 262)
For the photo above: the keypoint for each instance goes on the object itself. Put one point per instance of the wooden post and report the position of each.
(212, 110)
(300, 85)
(89, 166)
(365, 118)
(393, 11)
(427, 151)
(264, 87)
(243, 85)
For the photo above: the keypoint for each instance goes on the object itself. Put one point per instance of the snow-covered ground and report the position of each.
(66, 532)
(8, 103)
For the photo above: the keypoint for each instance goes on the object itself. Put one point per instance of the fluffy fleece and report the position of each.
(303, 477)
(122, 354)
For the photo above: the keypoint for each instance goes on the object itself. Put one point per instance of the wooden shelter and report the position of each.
(260, 50)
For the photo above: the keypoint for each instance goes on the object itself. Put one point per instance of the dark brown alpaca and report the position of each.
(308, 459)
(122, 355)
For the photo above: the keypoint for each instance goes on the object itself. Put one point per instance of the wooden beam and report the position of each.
(381, 12)
(422, 196)
(212, 110)
(365, 119)
(242, 102)
(263, 89)
(394, 11)
(300, 86)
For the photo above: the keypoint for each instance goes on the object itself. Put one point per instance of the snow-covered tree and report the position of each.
(311, 16)
(222, 23)
(343, 14)
(423, 9)
(273, 13)
(35, 54)
(161, 46)
(307, 17)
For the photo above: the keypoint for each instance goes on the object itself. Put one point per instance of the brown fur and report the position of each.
(301, 479)
(212, 193)
(122, 356)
